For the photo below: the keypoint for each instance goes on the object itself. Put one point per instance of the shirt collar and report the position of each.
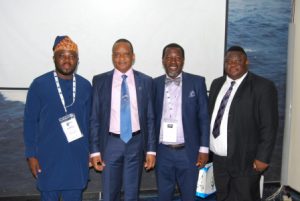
(180, 75)
(237, 81)
(118, 74)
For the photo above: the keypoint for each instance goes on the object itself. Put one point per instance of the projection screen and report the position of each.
(28, 30)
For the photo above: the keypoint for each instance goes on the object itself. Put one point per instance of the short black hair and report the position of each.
(172, 45)
(237, 49)
(123, 40)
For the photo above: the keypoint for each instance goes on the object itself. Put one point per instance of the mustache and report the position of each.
(66, 63)
(61, 71)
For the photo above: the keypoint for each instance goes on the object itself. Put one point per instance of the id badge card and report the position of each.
(70, 127)
(169, 131)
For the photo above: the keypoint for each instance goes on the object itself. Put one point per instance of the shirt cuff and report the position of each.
(204, 150)
(95, 154)
(151, 153)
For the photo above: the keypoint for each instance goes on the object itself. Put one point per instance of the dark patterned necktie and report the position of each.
(125, 115)
(218, 120)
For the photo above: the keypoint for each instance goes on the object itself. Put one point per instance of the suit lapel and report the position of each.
(214, 92)
(108, 86)
(231, 139)
(184, 92)
(139, 90)
(160, 88)
(241, 89)
(218, 87)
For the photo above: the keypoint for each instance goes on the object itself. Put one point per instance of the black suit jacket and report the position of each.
(252, 121)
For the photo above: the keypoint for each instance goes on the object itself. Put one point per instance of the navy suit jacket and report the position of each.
(195, 118)
(252, 121)
(101, 106)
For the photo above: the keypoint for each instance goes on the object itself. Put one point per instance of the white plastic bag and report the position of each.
(206, 183)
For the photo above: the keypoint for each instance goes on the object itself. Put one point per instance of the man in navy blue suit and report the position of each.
(182, 126)
(122, 125)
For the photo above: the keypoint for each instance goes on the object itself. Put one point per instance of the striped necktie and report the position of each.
(218, 120)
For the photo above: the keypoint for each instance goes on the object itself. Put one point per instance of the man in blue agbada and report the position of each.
(56, 126)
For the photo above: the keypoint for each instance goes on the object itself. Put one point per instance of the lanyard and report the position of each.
(60, 92)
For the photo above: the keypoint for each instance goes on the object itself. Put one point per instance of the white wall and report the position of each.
(291, 147)
(28, 30)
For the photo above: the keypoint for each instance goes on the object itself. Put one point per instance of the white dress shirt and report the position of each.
(219, 145)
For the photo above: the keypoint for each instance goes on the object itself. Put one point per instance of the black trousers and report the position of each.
(232, 186)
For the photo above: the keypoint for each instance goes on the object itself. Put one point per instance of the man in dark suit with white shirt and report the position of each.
(182, 126)
(244, 119)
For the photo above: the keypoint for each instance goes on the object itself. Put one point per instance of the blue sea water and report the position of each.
(261, 27)
(10, 109)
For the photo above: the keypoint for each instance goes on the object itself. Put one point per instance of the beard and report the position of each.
(65, 72)
(68, 72)
(172, 74)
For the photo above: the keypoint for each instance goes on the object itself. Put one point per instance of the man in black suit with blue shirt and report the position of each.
(181, 125)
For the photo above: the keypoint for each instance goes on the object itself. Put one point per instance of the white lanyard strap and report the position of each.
(60, 92)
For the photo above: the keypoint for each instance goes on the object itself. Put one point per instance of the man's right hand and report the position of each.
(97, 163)
(34, 166)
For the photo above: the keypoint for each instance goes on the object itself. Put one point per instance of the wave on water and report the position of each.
(14, 95)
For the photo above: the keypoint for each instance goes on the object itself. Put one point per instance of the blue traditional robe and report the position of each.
(64, 165)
